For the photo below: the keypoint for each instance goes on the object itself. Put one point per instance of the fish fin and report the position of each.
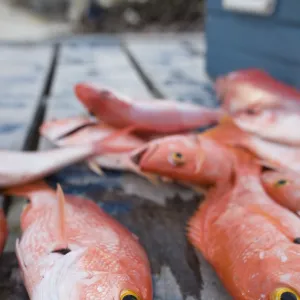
(195, 232)
(94, 167)
(61, 201)
(27, 190)
(198, 189)
(227, 132)
(152, 178)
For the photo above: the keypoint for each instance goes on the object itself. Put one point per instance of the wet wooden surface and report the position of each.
(142, 68)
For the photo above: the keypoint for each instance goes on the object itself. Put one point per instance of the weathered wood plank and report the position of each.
(175, 67)
(24, 69)
(155, 214)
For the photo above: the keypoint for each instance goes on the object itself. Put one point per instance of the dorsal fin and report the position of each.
(61, 213)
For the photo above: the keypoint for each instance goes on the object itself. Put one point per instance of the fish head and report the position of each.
(96, 97)
(176, 157)
(244, 89)
(75, 276)
(184, 158)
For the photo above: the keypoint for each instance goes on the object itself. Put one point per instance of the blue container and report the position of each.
(238, 40)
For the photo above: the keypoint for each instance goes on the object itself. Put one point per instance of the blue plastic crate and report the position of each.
(242, 40)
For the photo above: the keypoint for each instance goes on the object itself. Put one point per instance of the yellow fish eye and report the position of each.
(285, 294)
(281, 182)
(177, 159)
(129, 295)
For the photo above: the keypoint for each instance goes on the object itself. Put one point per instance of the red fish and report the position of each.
(71, 249)
(244, 89)
(251, 241)
(160, 116)
(192, 159)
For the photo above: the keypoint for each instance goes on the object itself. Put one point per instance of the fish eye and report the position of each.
(129, 295)
(281, 182)
(285, 294)
(176, 158)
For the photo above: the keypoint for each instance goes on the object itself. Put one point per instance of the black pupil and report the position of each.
(288, 296)
(281, 182)
(129, 297)
(297, 240)
(178, 155)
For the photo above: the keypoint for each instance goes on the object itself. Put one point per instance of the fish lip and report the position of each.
(140, 156)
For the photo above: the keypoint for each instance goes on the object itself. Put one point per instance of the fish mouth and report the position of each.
(140, 156)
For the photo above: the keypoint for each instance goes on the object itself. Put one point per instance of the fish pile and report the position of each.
(246, 162)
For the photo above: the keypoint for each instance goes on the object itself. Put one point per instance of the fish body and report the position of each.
(284, 188)
(249, 239)
(244, 89)
(160, 117)
(275, 125)
(19, 167)
(276, 155)
(71, 249)
(56, 129)
(89, 133)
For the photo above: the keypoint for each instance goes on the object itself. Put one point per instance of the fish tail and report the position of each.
(27, 190)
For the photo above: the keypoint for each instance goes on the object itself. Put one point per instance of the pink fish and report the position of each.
(56, 129)
(22, 167)
(71, 249)
(160, 116)
(254, 88)
(274, 124)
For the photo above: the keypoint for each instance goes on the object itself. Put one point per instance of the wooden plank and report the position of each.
(155, 214)
(20, 95)
(173, 69)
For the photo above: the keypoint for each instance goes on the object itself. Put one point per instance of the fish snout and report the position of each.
(142, 155)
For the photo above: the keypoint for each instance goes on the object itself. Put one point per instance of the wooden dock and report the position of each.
(37, 84)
